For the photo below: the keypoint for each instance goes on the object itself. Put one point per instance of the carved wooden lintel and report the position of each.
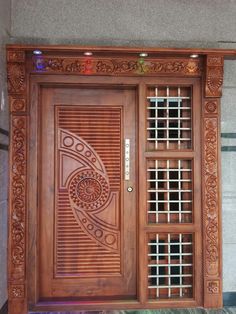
(16, 75)
(214, 76)
(116, 66)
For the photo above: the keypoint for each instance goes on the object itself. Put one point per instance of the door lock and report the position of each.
(129, 189)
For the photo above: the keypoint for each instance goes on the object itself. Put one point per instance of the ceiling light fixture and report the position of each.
(37, 52)
(88, 53)
(143, 54)
(194, 55)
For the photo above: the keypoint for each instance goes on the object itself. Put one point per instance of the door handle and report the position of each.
(127, 159)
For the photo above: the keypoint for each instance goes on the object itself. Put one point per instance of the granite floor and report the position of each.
(225, 310)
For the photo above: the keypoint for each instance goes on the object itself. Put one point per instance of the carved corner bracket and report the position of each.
(16, 79)
(210, 180)
(214, 76)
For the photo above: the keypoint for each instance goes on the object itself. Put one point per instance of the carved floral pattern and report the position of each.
(211, 107)
(117, 66)
(215, 60)
(18, 184)
(89, 190)
(17, 104)
(215, 80)
(213, 88)
(173, 67)
(211, 196)
(213, 287)
(16, 78)
(17, 291)
(15, 56)
(17, 213)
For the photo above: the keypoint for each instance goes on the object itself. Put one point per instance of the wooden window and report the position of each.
(173, 217)
(170, 266)
(169, 118)
(169, 191)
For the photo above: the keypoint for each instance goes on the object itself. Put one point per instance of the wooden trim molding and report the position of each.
(124, 50)
(16, 75)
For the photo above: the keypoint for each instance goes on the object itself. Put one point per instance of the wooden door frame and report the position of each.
(112, 64)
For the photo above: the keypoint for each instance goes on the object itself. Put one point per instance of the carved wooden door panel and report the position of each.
(87, 216)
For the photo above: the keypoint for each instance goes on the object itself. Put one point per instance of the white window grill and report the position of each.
(169, 184)
(169, 118)
(170, 265)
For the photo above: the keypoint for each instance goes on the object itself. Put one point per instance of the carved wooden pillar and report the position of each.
(17, 185)
(211, 182)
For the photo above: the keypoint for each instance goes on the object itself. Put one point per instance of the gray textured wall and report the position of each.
(136, 22)
(228, 129)
(4, 35)
(177, 23)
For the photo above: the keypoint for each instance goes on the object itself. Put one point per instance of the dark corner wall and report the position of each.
(5, 25)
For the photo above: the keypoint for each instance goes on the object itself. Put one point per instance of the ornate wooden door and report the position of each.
(87, 213)
(114, 179)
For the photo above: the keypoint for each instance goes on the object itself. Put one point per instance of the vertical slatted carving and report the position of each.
(89, 158)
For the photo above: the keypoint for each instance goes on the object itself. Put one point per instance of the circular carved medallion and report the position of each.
(211, 107)
(18, 105)
(88, 189)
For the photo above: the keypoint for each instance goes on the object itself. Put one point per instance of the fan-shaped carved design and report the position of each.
(88, 188)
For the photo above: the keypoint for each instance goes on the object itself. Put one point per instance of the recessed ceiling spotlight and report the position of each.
(37, 52)
(143, 54)
(194, 55)
(88, 53)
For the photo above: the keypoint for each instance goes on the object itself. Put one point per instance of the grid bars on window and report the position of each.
(169, 118)
(169, 190)
(170, 265)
